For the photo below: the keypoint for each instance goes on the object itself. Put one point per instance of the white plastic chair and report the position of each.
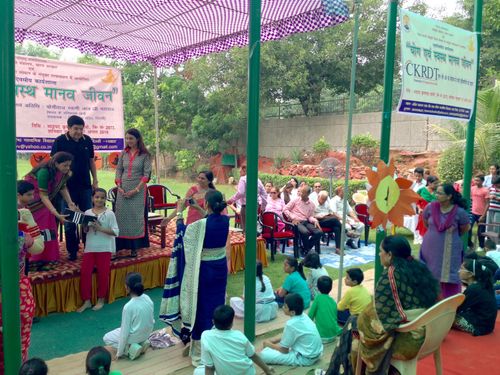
(437, 321)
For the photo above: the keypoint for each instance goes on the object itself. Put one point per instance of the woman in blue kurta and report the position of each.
(197, 273)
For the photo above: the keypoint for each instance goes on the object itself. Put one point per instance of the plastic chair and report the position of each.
(437, 321)
(269, 222)
(363, 215)
(159, 195)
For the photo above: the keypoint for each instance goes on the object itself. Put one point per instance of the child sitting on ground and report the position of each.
(295, 282)
(98, 362)
(324, 311)
(300, 344)
(99, 247)
(266, 307)
(356, 298)
(137, 322)
(478, 313)
(316, 270)
(34, 366)
(227, 351)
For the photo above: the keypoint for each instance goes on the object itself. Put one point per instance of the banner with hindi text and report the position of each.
(439, 68)
(50, 91)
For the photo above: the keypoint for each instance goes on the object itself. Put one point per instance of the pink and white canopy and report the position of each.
(164, 32)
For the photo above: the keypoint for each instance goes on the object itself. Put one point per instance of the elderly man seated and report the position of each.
(353, 226)
(300, 211)
(328, 218)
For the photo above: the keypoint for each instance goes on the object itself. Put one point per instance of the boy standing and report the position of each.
(480, 197)
(300, 344)
(324, 311)
(226, 351)
(356, 298)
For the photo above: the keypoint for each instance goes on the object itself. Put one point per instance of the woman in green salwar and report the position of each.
(405, 289)
(427, 195)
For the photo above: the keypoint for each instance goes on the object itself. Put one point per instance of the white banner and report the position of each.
(439, 68)
(50, 91)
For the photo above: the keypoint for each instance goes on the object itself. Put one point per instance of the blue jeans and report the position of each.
(83, 199)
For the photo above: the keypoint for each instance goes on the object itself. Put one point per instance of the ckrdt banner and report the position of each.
(50, 91)
(439, 68)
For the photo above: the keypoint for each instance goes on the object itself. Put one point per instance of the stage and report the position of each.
(58, 290)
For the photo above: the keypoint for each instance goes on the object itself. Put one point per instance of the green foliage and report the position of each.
(281, 180)
(296, 156)
(186, 159)
(278, 161)
(451, 164)
(321, 147)
(365, 148)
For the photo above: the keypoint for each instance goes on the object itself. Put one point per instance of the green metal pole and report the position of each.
(252, 166)
(9, 266)
(352, 104)
(385, 136)
(471, 129)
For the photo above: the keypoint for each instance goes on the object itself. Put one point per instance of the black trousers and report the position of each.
(333, 224)
(309, 234)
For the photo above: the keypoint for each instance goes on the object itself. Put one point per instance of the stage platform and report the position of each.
(58, 290)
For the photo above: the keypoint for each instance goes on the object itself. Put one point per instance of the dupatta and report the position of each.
(441, 226)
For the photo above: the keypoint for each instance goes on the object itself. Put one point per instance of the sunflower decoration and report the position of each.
(389, 199)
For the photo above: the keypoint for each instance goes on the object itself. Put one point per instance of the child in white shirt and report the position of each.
(137, 322)
(99, 247)
(316, 270)
(227, 351)
(300, 344)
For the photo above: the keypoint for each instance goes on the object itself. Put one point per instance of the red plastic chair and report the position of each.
(269, 222)
(159, 195)
(361, 210)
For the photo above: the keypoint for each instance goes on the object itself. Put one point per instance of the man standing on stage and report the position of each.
(79, 185)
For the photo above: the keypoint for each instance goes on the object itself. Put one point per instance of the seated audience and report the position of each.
(353, 225)
(295, 282)
(356, 298)
(405, 289)
(478, 313)
(300, 344)
(276, 205)
(34, 366)
(266, 307)
(267, 186)
(227, 351)
(327, 217)
(324, 311)
(316, 270)
(301, 212)
(131, 339)
(314, 195)
(98, 362)
(286, 192)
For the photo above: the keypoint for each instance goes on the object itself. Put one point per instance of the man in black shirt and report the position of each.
(79, 185)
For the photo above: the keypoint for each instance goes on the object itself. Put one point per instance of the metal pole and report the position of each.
(157, 127)
(252, 166)
(471, 129)
(9, 265)
(385, 136)
(352, 104)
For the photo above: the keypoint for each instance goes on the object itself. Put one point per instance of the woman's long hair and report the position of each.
(140, 141)
(481, 272)
(292, 262)
(134, 282)
(215, 200)
(50, 165)
(419, 277)
(456, 197)
(210, 177)
(260, 273)
(98, 361)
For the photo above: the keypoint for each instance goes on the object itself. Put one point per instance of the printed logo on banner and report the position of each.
(439, 68)
(50, 91)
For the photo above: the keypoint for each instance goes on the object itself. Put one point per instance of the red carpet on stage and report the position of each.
(463, 354)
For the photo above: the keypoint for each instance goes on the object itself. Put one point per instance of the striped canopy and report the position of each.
(164, 32)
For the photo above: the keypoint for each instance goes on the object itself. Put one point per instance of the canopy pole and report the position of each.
(9, 265)
(385, 136)
(252, 165)
(471, 129)
(157, 126)
(352, 104)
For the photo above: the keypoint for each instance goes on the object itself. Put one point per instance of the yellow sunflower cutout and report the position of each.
(389, 199)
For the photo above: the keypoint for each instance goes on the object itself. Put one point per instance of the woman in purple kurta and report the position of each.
(442, 248)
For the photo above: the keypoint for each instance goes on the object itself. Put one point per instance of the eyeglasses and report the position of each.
(273, 192)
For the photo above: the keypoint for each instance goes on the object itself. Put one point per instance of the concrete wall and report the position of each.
(279, 137)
